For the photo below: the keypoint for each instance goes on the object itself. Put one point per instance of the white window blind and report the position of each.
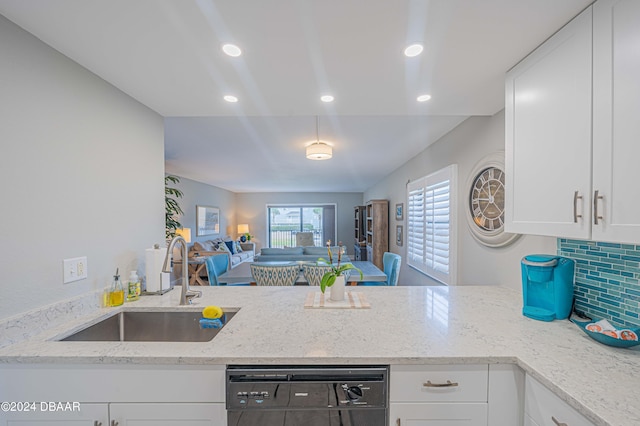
(431, 225)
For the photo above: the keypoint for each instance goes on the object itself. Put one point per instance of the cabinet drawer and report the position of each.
(542, 406)
(437, 414)
(430, 383)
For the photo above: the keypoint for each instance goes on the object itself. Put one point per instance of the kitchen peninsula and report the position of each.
(406, 326)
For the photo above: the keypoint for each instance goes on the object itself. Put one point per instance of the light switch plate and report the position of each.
(74, 269)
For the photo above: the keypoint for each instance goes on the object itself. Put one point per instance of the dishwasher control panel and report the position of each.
(308, 388)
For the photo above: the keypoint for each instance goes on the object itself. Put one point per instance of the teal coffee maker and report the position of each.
(547, 286)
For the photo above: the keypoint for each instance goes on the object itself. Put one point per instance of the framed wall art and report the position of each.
(399, 235)
(207, 220)
(399, 210)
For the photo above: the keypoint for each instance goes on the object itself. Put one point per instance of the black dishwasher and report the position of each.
(307, 395)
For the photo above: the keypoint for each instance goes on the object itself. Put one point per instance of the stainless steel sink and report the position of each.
(148, 326)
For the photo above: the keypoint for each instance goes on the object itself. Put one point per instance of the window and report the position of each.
(285, 221)
(431, 225)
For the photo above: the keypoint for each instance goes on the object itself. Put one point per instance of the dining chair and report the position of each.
(313, 273)
(275, 275)
(216, 266)
(390, 267)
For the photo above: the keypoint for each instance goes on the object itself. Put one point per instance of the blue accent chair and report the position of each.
(216, 266)
(391, 268)
(275, 275)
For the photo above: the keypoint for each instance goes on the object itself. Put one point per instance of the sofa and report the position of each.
(291, 254)
(235, 251)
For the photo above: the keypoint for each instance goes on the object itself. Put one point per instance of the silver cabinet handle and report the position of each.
(97, 423)
(576, 197)
(596, 197)
(557, 422)
(114, 423)
(398, 422)
(449, 384)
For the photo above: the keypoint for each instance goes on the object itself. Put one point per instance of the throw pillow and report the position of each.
(222, 247)
(238, 247)
(231, 246)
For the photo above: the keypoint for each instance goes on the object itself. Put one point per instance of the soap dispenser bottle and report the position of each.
(133, 287)
(117, 291)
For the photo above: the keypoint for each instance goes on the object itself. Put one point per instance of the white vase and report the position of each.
(337, 289)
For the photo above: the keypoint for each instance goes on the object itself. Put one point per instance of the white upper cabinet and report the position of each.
(573, 132)
(616, 120)
(548, 136)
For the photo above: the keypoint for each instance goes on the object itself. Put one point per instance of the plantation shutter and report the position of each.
(416, 225)
(431, 225)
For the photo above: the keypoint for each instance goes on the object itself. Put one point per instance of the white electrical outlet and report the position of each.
(74, 269)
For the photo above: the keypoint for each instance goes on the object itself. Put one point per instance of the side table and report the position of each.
(196, 265)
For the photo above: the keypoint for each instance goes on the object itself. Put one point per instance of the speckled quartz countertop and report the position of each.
(405, 325)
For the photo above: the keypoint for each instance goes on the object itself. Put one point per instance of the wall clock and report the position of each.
(485, 202)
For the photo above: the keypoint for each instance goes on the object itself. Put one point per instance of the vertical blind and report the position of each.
(431, 225)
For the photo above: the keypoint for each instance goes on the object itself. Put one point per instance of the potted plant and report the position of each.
(335, 275)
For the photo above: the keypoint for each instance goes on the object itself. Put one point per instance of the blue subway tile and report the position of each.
(612, 245)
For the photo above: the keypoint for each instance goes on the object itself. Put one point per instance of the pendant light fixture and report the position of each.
(319, 150)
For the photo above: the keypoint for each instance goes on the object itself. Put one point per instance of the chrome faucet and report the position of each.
(187, 295)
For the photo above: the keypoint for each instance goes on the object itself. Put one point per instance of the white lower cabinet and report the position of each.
(115, 395)
(433, 414)
(543, 408)
(428, 395)
(133, 414)
(88, 415)
(213, 414)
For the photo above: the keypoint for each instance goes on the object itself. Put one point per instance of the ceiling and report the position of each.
(166, 54)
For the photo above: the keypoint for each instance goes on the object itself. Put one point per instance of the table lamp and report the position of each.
(243, 231)
(184, 233)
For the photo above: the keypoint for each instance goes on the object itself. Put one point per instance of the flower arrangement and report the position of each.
(336, 270)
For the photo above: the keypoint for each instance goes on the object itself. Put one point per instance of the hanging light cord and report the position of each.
(317, 134)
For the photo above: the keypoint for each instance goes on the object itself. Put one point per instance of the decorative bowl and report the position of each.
(607, 340)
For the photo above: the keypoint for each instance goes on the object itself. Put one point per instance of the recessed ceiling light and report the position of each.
(231, 50)
(230, 98)
(423, 98)
(413, 50)
(326, 98)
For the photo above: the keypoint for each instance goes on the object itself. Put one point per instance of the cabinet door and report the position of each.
(202, 414)
(543, 407)
(616, 127)
(434, 414)
(87, 415)
(548, 136)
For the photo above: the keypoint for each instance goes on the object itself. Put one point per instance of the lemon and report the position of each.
(212, 312)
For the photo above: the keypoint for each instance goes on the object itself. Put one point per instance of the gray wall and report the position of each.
(251, 209)
(197, 193)
(465, 145)
(82, 169)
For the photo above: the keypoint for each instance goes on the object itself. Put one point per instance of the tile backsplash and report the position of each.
(607, 283)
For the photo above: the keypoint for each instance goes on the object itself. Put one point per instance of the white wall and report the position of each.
(465, 145)
(82, 169)
(251, 209)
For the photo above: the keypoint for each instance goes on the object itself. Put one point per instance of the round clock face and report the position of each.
(486, 199)
(486, 202)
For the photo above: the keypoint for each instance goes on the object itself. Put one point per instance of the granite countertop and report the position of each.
(405, 325)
